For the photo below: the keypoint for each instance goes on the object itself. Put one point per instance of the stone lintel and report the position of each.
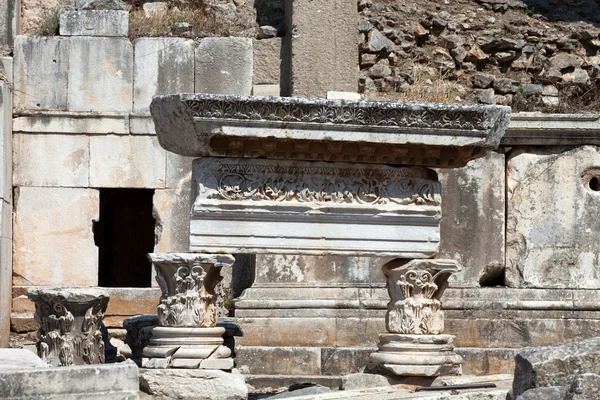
(435, 135)
(552, 129)
(292, 207)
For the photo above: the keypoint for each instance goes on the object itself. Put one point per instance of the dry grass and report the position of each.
(428, 86)
(579, 99)
(204, 21)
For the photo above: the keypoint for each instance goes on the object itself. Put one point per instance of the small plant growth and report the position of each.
(49, 23)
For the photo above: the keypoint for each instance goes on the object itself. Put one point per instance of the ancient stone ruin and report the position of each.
(218, 199)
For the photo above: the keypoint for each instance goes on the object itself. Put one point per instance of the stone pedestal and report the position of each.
(70, 319)
(415, 345)
(187, 336)
(417, 355)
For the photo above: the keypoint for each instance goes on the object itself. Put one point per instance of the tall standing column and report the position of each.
(322, 36)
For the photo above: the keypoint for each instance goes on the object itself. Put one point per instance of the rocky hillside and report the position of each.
(531, 54)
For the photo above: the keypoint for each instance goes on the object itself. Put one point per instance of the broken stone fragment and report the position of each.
(506, 85)
(378, 42)
(482, 80)
(267, 31)
(100, 5)
(563, 61)
(380, 71)
(537, 367)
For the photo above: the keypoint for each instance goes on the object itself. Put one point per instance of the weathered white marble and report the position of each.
(70, 319)
(435, 135)
(416, 355)
(98, 382)
(287, 207)
(414, 345)
(187, 335)
(415, 288)
(552, 218)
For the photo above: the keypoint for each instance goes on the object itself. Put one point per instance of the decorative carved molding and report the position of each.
(70, 319)
(284, 182)
(415, 289)
(429, 135)
(362, 113)
(188, 282)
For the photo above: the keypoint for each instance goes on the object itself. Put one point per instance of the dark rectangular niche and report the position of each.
(124, 235)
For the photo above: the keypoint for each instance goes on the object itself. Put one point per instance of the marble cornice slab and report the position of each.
(432, 135)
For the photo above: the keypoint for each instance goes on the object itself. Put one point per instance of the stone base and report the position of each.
(193, 384)
(97, 382)
(200, 348)
(416, 355)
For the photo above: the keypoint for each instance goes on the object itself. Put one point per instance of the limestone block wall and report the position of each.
(6, 200)
(81, 123)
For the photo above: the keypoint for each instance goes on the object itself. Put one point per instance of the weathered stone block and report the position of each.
(266, 90)
(40, 73)
(555, 366)
(162, 66)
(326, 332)
(101, 382)
(344, 360)
(51, 160)
(5, 286)
(94, 23)
(6, 143)
(126, 161)
(172, 213)
(363, 381)
(330, 269)
(326, 29)
(268, 61)
(546, 393)
(53, 238)
(193, 384)
(10, 12)
(73, 122)
(19, 358)
(103, 76)
(278, 360)
(552, 226)
(224, 66)
(472, 229)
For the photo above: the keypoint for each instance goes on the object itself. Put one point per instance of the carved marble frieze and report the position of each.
(415, 288)
(188, 282)
(434, 135)
(293, 207)
(70, 318)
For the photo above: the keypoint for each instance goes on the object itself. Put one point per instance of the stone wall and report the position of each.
(526, 54)
(81, 123)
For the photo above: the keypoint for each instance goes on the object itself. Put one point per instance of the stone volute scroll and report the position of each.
(187, 335)
(70, 318)
(415, 344)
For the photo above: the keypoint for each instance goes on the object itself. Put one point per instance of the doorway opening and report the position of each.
(124, 235)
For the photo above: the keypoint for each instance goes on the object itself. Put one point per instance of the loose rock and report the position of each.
(378, 42)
